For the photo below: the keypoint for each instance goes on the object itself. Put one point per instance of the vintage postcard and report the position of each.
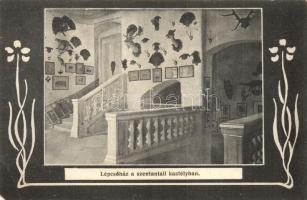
(204, 97)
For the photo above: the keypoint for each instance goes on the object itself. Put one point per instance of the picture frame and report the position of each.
(53, 117)
(207, 82)
(157, 75)
(258, 107)
(145, 74)
(133, 75)
(70, 67)
(186, 71)
(241, 109)
(49, 68)
(80, 69)
(89, 69)
(80, 80)
(171, 72)
(60, 82)
(225, 112)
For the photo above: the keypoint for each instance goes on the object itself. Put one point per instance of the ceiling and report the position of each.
(84, 15)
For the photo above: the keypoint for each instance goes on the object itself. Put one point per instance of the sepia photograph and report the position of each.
(121, 41)
(141, 100)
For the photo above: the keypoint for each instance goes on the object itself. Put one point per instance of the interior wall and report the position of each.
(219, 31)
(86, 34)
(237, 64)
(190, 87)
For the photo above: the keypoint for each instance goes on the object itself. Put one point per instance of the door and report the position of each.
(110, 52)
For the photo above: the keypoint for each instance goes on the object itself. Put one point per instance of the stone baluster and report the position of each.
(156, 132)
(186, 125)
(169, 128)
(140, 142)
(191, 123)
(131, 135)
(175, 127)
(148, 132)
(163, 129)
(181, 126)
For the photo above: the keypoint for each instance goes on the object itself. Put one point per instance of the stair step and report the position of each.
(62, 128)
(67, 121)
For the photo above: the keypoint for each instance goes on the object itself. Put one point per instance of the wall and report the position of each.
(237, 64)
(191, 87)
(219, 32)
(86, 34)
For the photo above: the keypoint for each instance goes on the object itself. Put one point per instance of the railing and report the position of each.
(134, 135)
(90, 108)
(243, 140)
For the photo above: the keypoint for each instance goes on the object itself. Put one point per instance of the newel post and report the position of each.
(233, 143)
(77, 129)
(112, 152)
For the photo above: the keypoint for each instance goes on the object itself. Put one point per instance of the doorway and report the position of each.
(110, 52)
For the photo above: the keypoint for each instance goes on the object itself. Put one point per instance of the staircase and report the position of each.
(65, 126)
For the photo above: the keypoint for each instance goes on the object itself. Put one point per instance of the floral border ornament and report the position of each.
(285, 141)
(19, 139)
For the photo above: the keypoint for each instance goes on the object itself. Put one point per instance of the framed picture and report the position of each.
(258, 107)
(70, 67)
(145, 74)
(133, 75)
(80, 80)
(53, 118)
(60, 83)
(80, 68)
(225, 112)
(186, 71)
(207, 82)
(49, 68)
(242, 109)
(171, 72)
(89, 69)
(157, 75)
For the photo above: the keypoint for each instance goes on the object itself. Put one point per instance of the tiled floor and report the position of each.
(61, 149)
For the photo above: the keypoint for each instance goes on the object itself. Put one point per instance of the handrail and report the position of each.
(88, 110)
(243, 140)
(100, 87)
(135, 135)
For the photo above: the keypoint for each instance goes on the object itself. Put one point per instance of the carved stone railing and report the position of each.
(243, 140)
(89, 109)
(134, 135)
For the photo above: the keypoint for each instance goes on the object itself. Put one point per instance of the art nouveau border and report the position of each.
(285, 142)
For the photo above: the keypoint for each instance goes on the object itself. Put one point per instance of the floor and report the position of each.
(61, 149)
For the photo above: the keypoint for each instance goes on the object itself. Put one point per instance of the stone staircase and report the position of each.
(65, 126)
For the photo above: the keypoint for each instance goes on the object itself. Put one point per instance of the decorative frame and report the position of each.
(241, 109)
(49, 68)
(225, 112)
(186, 71)
(70, 67)
(171, 72)
(80, 69)
(53, 117)
(58, 80)
(145, 74)
(80, 80)
(133, 75)
(284, 144)
(157, 75)
(90, 70)
(258, 107)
